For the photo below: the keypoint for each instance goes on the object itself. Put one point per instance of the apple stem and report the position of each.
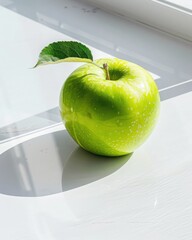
(105, 66)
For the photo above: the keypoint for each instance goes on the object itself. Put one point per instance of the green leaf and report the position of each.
(64, 51)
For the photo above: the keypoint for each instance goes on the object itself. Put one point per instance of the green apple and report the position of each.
(109, 106)
(109, 114)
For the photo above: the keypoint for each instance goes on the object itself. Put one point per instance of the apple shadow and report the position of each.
(51, 164)
(83, 168)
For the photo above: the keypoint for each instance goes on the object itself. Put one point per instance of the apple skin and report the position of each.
(110, 117)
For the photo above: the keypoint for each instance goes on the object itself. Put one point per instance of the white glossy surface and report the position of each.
(146, 197)
(50, 189)
(21, 41)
